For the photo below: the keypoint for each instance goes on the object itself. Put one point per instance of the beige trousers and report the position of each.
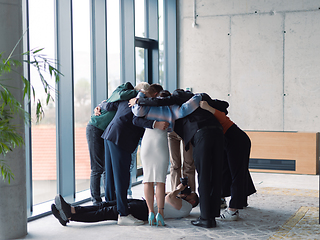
(177, 165)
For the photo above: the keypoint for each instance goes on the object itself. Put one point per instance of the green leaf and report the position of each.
(16, 63)
(6, 171)
(26, 87)
(39, 111)
(37, 50)
(51, 69)
(48, 98)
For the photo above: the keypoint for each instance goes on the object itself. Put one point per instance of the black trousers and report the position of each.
(236, 178)
(108, 211)
(208, 158)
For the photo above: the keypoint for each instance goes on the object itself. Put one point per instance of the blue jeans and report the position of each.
(96, 151)
(132, 166)
(117, 175)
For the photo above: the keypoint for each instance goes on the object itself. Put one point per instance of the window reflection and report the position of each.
(161, 65)
(140, 77)
(43, 134)
(140, 65)
(82, 91)
(139, 18)
(113, 41)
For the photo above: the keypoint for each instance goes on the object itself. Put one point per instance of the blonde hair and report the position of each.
(142, 86)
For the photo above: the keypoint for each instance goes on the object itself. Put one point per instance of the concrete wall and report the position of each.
(13, 203)
(263, 57)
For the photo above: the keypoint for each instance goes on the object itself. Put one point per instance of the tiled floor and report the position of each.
(286, 206)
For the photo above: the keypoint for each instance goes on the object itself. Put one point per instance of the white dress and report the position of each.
(154, 155)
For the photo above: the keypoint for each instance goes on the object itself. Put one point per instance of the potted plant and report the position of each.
(10, 108)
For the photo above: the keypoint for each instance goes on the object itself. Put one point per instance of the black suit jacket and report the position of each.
(180, 96)
(121, 130)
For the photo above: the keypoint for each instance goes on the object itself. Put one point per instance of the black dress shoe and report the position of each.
(63, 207)
(56, 213)
(200, 222)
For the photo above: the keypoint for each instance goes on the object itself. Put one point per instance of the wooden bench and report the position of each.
(284, 152)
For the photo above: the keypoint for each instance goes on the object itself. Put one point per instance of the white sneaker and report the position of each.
(229, 215)
(129, 220)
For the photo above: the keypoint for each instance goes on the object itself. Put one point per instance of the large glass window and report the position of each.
(146, 45)
(82, 91)
(139, 18)
(113, 43)
(140, 53)
(140, 65)
(140, 61)
(43, 134)
(161, 66)
(140, 77)
(63, 29)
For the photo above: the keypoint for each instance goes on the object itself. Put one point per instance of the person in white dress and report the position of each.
(154, 151)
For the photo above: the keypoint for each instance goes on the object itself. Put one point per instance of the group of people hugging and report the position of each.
(213, 145)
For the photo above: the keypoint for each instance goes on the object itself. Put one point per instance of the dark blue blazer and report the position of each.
(121, 130)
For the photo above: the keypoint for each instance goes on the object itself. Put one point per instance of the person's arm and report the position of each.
(216, 103)
(132, 102)
(225, 122)
(166, 101)
(108, 106)
(143, 122)
(97, 109)
(123, 92)
(205, 105)
(162, 125)
(221, 116)
(172, 199)
(188, 107)
(139, 111)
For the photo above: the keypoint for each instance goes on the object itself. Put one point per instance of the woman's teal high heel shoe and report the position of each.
(151, 219)
(159, 220)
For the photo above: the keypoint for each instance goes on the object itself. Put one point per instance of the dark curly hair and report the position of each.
(164, 93)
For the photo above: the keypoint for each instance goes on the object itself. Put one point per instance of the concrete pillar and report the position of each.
(13, 207)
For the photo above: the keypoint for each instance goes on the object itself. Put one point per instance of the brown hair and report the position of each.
(194, 201)
(155, 88)
(165, 93)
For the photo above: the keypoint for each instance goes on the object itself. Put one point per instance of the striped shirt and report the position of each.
(167, 113)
